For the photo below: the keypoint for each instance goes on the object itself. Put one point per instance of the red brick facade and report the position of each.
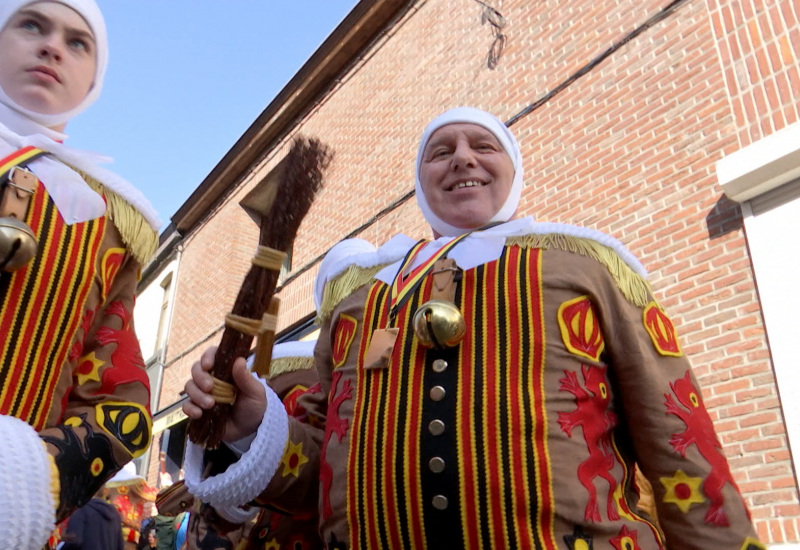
(628, 148)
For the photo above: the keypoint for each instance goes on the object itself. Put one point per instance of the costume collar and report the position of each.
(75, 200)
(485, 246)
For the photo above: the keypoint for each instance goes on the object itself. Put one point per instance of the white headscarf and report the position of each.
(90, 12)
(472, 115)
(20, 127)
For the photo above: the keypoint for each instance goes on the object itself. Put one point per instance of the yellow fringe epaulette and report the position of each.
(289, 364)
(55, 480)
(633, 286)
(137, 233)
(342, 286)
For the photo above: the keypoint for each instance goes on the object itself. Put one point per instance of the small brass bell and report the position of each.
(439, 324)
(18, 244)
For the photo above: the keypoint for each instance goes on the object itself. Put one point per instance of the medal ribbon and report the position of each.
(405, 285)
(17, 158)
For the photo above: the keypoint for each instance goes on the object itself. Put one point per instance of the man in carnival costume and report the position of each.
(74, 395)
(493, 388)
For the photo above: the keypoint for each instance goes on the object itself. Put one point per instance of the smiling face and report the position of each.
(48, 58)
(466, 174)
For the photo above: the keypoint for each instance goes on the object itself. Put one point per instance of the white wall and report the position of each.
(147, 312)
(765, 177)
(774, 240)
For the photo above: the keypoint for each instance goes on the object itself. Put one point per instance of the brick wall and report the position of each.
(629, 148)
(758, 43)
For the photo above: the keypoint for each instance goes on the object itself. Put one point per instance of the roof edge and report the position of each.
(349, 39)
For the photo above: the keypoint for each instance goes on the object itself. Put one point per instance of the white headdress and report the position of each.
(472, 115)
(20, 127)
(90, 12)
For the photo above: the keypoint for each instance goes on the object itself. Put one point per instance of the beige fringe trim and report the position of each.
(289, 364)
(342, 286)
(633, 286)
(140, 238)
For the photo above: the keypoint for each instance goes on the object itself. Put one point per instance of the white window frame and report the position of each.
(765, 177)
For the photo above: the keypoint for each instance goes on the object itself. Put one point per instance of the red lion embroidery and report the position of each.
(700, 432)
(335, 425)
(597, 422)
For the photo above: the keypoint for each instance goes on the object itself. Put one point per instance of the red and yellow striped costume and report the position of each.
(70, 363)
(493, 407)
(525, 435)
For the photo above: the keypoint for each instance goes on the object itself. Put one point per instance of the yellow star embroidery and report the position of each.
(89, 369)
(293, 458)
(682, 490)
(272, 545)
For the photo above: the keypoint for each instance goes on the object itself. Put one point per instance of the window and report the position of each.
(163, 318)
(765, 178)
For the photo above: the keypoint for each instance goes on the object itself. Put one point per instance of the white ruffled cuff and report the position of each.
(246, 478)
(236, 514)
(26, 498)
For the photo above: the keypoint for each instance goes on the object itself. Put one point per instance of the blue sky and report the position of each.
(186, 78)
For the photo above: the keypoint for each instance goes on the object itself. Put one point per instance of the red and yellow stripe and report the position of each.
(362, 497)
(505, 490)
(19, 158)
(57, 282)
(406, 281)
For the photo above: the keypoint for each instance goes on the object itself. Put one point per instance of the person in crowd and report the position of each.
(74, 394)
(148, 538)
(495, 387)
(129, 492)
(94, 526)
(181, 525)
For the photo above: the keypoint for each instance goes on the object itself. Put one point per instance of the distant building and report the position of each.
(155, 302)
(670, 125)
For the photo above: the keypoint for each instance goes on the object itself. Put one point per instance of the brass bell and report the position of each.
(439, 324)
(18, 244)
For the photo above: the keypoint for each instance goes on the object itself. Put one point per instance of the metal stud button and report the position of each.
(438, 393)
(436, 427)
(440, 502)
(436, 465)
(439, 365)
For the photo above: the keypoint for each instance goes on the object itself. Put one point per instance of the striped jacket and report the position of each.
(524, 435)
(70, 363)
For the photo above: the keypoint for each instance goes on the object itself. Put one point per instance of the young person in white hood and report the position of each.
(74, 395)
